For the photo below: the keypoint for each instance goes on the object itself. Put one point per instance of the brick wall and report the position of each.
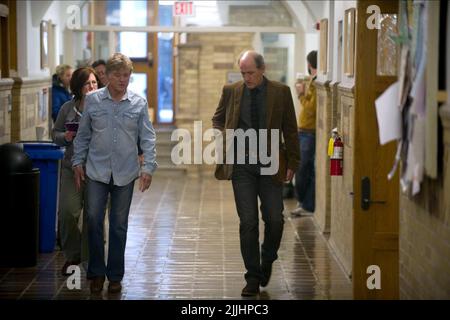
(425, 234)
(260, 15)
(188, 80)
(323, 179)
(204, 64)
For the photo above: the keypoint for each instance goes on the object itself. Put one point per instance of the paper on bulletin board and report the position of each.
(389, 115)
(42, 105)
(417, 158)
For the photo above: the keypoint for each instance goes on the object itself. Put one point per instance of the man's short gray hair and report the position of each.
(259, 59)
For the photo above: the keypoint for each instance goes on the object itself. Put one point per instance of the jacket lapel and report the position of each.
(237, 98)
(270, 103)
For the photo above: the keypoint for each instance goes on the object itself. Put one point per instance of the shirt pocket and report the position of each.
(99, 120)
(130, 120)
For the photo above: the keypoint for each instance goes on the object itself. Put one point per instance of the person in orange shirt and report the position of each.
(305, 175)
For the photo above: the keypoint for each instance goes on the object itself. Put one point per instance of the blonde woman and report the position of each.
(71, 202)
(60, 88)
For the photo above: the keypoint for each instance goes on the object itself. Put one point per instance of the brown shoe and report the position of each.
(114, 287)
(97, 284)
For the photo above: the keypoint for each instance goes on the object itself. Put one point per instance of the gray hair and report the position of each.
(258, 58)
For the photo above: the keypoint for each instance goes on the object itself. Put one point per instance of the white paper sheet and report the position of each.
(389, 115)
(416, 156)
(418, 93)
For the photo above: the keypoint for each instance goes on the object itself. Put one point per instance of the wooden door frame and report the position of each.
(97, 14)
(367, 242)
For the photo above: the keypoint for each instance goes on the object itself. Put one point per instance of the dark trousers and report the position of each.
(305, 175)
(248, 185)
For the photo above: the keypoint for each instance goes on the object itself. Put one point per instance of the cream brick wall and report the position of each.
(188, 80)
(27, 113)
(5, 112)
(204, 64)
(425, 234)
(188, 92)
(323, 179)
(263, 15)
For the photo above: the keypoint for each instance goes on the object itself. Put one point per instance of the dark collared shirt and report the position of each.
(245, 118)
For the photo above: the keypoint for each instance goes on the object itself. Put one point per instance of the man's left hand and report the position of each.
(145, 181)
(289, 175)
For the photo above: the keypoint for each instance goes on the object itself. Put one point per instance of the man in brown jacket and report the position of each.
(253, 104)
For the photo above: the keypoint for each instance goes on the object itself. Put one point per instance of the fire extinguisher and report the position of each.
(337, 157)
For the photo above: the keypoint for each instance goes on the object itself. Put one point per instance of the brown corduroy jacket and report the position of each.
(280, 114)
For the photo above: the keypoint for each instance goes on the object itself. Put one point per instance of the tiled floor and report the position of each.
(183, 243)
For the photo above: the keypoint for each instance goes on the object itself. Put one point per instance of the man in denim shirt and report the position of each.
(106, 146)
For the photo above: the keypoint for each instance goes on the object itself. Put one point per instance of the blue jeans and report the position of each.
(97, 196)
(305, 175)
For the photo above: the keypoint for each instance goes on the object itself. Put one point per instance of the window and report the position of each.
(165, 67)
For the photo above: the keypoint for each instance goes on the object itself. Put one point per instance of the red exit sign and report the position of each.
(183, 8)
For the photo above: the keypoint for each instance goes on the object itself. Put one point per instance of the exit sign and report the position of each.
(183, 8)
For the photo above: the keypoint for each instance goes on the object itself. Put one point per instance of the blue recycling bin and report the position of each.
(46, 156)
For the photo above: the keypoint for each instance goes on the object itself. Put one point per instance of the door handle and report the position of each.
(150, 59)
(365, 194)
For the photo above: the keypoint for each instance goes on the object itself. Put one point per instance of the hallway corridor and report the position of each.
(183, 243)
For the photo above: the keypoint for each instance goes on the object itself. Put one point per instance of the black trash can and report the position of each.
(19, 205)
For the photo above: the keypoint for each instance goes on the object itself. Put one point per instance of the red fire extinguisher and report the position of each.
(337, 158)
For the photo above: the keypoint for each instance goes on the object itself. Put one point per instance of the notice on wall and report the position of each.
(389, 115)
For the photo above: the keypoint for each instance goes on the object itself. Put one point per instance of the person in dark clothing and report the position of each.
(251, 105)
(71, 201)
(100, 68)
(60, 88)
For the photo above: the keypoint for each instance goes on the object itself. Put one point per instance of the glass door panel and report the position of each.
(138, 84)
(165, 113)
(278, 50)
(386, 46)
(133, 44)
(165, 78)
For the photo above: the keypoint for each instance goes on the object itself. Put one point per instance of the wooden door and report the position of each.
(375, 231)
(145, 77)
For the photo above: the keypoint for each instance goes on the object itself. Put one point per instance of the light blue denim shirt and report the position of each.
(106, 141)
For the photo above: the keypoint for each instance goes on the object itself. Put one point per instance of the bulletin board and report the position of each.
(418, 149)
